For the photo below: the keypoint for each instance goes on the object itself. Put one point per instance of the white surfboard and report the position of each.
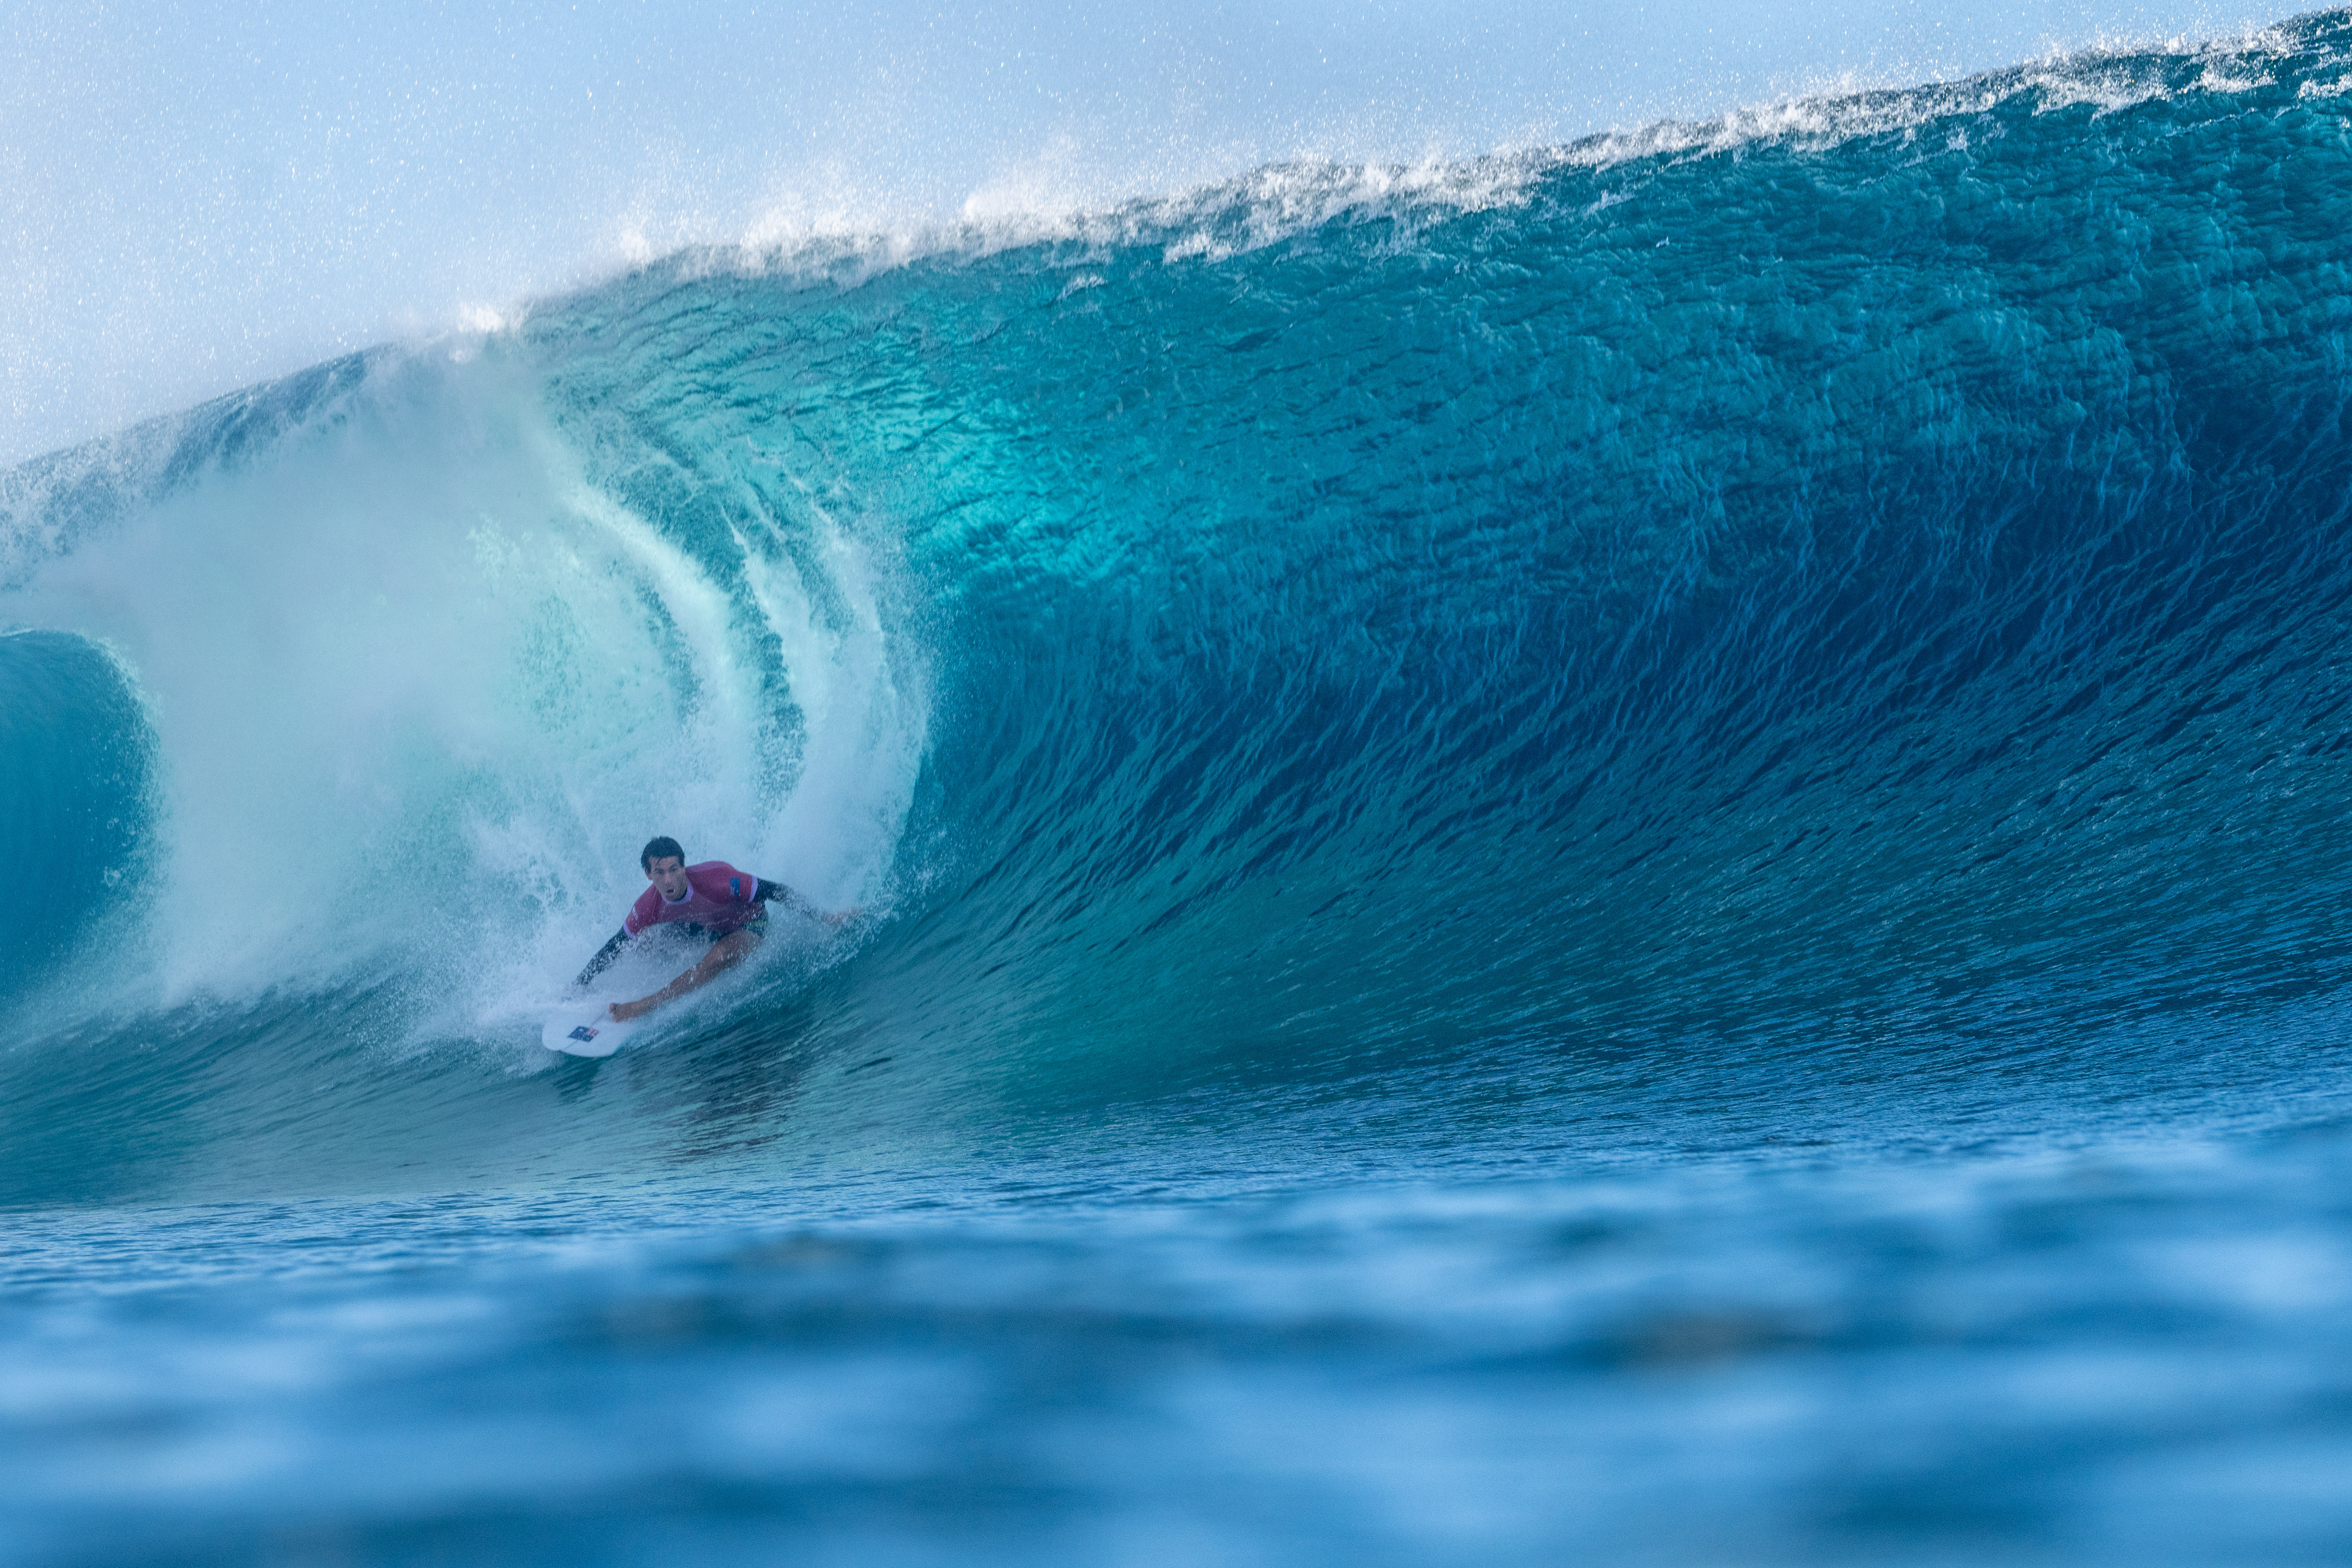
(584, 1028)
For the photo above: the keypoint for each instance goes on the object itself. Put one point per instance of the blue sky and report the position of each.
(195, 197)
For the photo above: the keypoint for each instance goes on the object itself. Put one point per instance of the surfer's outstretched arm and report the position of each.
(768, 892)
(605, 956)
(724, 954)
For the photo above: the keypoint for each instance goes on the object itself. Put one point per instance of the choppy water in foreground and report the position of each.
(1634, 854)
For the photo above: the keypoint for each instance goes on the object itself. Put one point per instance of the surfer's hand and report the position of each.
(842, 917)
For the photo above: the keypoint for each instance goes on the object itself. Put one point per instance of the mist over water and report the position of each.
(1623, 847)
(196, 200)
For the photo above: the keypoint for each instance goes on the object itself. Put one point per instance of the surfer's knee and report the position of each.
(729, 949)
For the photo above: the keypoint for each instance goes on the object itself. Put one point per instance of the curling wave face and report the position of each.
(1803, 613)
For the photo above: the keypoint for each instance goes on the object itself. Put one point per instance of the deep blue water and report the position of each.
(1626, 856)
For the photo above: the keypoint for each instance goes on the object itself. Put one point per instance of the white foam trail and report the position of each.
(864, 714)
(420, 690)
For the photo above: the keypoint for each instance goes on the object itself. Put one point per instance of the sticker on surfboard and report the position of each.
(584, 1029)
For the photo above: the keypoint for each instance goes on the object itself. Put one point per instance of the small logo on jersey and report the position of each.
(583, 1033)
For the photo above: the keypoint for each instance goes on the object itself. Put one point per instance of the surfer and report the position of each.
(712, 899)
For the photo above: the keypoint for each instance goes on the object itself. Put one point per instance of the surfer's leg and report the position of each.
(725, 953)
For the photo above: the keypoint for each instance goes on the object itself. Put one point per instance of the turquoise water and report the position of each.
(1631, 854)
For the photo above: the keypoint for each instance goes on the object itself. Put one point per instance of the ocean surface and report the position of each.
(1629, 855)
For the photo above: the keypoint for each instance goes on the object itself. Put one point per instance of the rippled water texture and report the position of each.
(1633, 855)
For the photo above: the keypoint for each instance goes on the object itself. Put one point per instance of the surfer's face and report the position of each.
(668, 874)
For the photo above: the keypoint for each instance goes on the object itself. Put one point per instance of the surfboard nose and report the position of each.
(583, 1029)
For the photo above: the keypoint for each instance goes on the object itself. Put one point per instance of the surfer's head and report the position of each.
(665, 865)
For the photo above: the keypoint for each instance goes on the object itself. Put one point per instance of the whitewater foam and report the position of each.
(419, 689)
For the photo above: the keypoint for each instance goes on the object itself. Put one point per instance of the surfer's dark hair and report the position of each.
(659, 850)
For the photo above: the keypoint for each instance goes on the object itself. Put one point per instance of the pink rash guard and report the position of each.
(719, 899)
